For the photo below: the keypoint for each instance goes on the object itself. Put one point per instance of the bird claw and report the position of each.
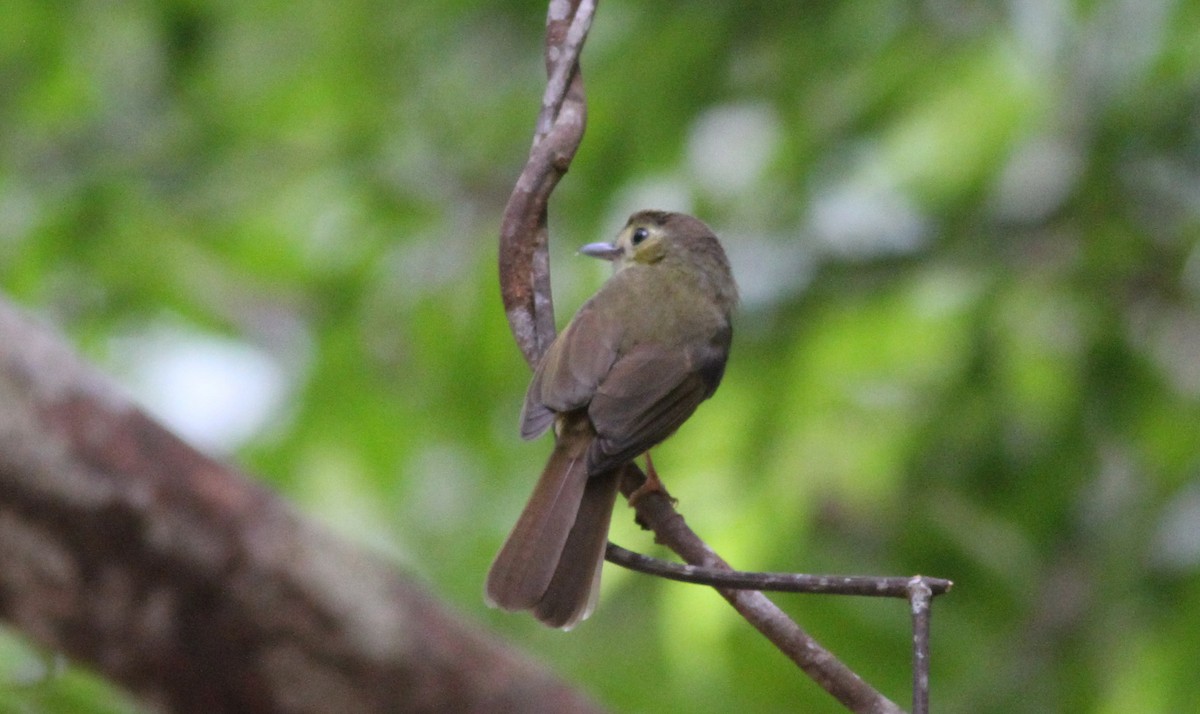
(652, 484)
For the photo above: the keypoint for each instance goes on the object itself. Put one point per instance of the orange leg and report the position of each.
(653, 484)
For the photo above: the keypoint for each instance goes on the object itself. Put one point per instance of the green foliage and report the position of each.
(966, 234)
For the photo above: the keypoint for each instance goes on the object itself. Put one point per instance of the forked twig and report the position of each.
(866, 586)
(525, 289)
(656, 512)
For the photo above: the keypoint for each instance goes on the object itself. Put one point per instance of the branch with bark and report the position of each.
(196, 588)
(525, 288)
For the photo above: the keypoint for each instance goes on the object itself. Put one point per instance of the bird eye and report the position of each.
(639, 235)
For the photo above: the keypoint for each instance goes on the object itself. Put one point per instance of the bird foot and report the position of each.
(652, 484)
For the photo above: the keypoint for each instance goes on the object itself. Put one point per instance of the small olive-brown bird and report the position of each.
(632, 365)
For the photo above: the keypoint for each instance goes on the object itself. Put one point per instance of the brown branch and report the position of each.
(918, 589)
(920, 597)
(524, 247)
(196, 588)
(866, 586)
(656, 511)
(525, 288)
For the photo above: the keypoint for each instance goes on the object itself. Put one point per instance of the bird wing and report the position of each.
(647, 395)
(572, 369)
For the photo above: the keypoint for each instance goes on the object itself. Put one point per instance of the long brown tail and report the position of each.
(571, 595)
(525, 564)
(550, 562)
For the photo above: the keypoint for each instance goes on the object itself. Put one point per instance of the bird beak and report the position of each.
(606, 251)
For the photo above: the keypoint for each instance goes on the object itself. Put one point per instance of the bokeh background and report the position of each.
(966, 234)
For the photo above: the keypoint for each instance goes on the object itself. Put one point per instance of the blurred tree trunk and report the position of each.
(196, 588)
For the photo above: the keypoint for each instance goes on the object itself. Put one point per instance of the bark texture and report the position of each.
(199, 590)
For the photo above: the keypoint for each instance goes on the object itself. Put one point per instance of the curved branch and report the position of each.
(525, 288)
(524, 251)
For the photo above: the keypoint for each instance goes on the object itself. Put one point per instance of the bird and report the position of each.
(629, 368)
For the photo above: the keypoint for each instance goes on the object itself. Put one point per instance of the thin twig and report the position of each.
(920, 597)
(656, 511)
(868, 586)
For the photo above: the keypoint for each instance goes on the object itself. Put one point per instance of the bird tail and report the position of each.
(551, 562)
(575, 587)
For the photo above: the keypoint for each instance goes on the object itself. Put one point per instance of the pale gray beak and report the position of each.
(606, 251)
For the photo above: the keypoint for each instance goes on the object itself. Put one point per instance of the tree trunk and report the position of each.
(198, 589)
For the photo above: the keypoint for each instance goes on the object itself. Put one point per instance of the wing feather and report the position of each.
(567, 377)
(646, 396)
